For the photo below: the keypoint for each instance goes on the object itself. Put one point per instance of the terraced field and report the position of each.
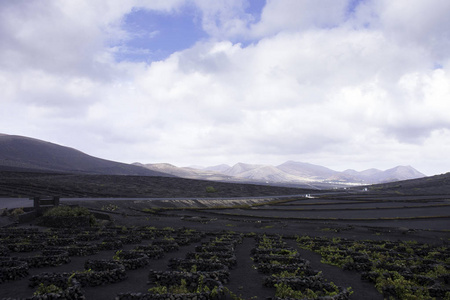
(432, 213)
(249, 250)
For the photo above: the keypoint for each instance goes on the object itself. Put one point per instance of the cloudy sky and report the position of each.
(339, 83)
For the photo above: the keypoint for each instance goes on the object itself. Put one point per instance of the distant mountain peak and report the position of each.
(294, 172)
(403, 173)
(218, 168)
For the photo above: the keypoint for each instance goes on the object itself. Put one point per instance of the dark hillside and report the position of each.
(27, 184)
(19, 153)
(433, 185)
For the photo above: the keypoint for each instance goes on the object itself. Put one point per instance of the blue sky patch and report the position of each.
(255, 8)
(352, 5)
(156, 35)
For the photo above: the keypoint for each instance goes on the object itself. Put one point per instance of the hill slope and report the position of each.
(306, 170)
(29, 184)
(185, 172)
(28, 154)
(432, 185)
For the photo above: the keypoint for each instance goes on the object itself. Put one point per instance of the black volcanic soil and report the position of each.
(245, 281)
(432, 185)
(24, 184)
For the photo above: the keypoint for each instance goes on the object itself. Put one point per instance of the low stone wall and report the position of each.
(49, 258)
(12, 270)
(152, 251)
(205, 265)
(216, 293)
(87, 237)
(25, 247)
(284, 259)
(213, 248)
(110, 244)
(132, 260)
(314, 282)
(167, 245)
(71, 290)
(168, 278)
(60, 241)
(228, 259)
(82, 249)
(65, 222)
(4, 251)
(98, 272)
(130, 239)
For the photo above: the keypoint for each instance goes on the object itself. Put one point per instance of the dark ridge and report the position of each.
(19, 153)
(432, 185)
(29, 184)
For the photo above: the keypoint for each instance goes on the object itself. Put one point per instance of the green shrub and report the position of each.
(173, 289)
(67, 211)
(47, 289)
(285, 291)
(17, 211)
(211, 189)
(110, 207)
(404, 289)
(182, 288)
(117, 255)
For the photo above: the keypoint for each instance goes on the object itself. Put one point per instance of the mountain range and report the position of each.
(18, 153)
(290, 172)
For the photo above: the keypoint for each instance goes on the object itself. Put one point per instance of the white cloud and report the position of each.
(224, 19)
(418, 23)
(320, 84)
(293, 15)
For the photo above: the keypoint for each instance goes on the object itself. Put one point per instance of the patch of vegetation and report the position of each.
(233, 296)
(117, 255)
(211, 189)
(265, 243)
(17, 211)
(287, 274)
(400, 270)
(67, 211)
(169, 229)
(329, 229)
(47, 289)
(404, 289)
(267, 227)
(285, 291)
(183, 288)
(285, 252)
(110, 207)
(151, 210)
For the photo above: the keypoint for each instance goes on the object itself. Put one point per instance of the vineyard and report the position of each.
(219, 253)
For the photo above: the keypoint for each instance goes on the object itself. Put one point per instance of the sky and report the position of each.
(345, 84)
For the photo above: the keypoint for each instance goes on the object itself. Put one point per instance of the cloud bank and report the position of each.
(344, 84)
